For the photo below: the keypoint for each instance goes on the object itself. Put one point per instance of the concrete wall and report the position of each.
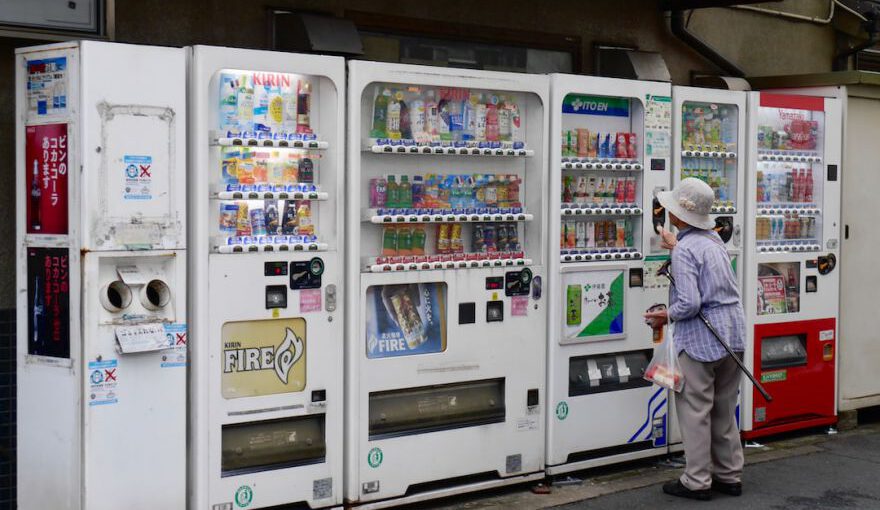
(761, 45)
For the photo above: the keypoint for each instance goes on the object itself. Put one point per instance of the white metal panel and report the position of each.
(513, 349)
(135, 447)
(134, 146)
(589, 425)
(228, 287)
(48, 393)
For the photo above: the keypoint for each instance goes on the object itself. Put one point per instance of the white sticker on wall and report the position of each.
(102, 382)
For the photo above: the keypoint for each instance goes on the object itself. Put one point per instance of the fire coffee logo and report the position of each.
(280, 359)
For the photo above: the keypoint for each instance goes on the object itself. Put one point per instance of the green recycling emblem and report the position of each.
(374, 457)
(243, 496)
(561, 410)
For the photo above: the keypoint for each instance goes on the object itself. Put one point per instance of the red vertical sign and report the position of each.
(46, 156)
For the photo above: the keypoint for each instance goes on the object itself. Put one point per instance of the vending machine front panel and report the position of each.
(446, 215)
(266, 376)
(611, 150)
(795, 362)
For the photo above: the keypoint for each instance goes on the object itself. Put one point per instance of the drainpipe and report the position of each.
(679, 29)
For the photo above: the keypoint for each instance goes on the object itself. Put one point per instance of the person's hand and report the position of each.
(657, 318)
(667, 239)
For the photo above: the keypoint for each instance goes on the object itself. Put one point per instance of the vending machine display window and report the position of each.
(432, 408)
(448, 212)
(709, 148)
(779, 288)
(601, 177)
(789, 178)
(268, 162)
(783, 351)
(272, 444)
(607, 372)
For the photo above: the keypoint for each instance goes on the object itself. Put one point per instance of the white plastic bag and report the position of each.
(664, 370)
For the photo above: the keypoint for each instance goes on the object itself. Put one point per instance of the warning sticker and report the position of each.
(175, 356)
(138, 177)
(102, 382)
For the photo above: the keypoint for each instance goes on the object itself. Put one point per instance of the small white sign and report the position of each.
(526, 424)
(131, 275)
(827, 334)
(142, 338)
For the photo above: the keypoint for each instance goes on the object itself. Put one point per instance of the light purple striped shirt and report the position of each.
(704, 280)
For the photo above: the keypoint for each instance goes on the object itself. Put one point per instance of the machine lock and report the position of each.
(330, 298)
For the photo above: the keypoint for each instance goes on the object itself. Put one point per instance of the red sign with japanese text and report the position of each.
(46, 151)
(48, 273)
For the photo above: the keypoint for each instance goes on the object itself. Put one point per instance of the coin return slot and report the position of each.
(467, 313)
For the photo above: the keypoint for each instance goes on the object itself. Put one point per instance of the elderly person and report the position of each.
(706, 405)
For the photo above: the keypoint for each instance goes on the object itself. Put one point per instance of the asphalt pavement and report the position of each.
(803, 471)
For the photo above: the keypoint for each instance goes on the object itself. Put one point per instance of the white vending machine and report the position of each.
(445, 315)
(609, 156)
(101, 276)
(709, 140)
(791, 281)
(266, 394)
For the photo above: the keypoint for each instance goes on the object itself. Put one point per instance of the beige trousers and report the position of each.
(706, 408)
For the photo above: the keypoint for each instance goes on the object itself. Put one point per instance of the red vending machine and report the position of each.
(791, 285)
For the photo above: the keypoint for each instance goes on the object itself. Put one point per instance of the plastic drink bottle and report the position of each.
(392, 119)
(303, 107)
(392, 192)
(405, 193)
(492, 129)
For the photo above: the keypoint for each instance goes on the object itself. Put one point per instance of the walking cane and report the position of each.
(664, 271)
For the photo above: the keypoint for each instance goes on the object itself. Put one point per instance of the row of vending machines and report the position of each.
(250, 279)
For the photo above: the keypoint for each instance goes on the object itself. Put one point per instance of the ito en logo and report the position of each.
(243, 496)
(561, 410)
(280, 359)
(374, 457)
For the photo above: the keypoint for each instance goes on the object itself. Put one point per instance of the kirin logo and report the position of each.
(280, 359)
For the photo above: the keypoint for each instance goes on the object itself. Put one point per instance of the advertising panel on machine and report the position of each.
(404, 320)
(264, 357)
(594, 305)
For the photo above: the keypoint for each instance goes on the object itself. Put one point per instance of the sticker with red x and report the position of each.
(181, 338)
(145, 170)
(109, 375)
